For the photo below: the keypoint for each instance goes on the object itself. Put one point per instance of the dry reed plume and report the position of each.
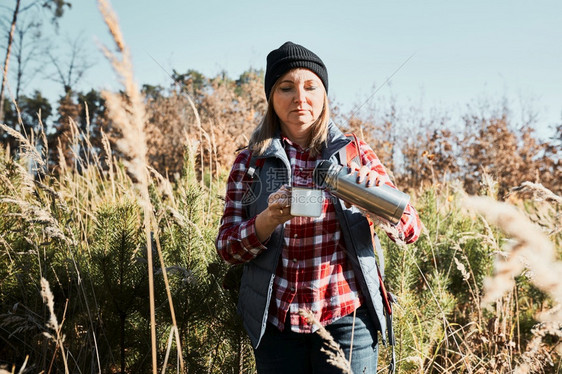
(336, 357)
(27, 146)
(539, 192)
(527, 247)
(35, 214)
(126, 110)
(129, 114)
(528, 243)
(53, 323)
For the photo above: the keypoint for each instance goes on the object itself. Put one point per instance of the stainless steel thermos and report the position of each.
(383, 200)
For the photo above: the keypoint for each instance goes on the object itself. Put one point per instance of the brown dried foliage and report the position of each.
(218, 113)
(61, 143)
(492, 145)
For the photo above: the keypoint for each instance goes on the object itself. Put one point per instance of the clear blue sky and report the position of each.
(462, 50)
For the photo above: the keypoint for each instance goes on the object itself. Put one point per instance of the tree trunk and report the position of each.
(19, 60)
(7, 59)
(123, 317)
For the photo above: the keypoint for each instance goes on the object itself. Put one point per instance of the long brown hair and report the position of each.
(270, 124)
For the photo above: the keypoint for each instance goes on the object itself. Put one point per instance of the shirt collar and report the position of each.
(290, 143)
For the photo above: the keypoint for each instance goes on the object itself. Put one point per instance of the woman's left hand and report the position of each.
(365, 173)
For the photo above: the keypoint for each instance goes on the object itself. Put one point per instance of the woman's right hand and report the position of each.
(278, 212)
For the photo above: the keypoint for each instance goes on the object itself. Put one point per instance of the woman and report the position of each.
(324, 265)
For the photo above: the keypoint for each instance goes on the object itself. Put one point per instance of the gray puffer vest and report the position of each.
(258, 275)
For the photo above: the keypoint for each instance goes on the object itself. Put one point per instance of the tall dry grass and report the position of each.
(81, 188)
(442, 326)
(451, 316)
(128, 113)
(72, 218)
(527, 249)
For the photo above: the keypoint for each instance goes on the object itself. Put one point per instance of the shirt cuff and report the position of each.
(250, 241)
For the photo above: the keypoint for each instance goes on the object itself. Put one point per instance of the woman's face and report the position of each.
(298, 100)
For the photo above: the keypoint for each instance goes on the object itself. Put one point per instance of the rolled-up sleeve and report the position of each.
(237, 241)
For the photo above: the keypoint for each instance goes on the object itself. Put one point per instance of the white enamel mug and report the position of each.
(306, 202)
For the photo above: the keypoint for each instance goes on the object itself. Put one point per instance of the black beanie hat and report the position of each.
(290, 56)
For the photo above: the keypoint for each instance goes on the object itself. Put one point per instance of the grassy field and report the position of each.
(477, 293)
(108, 265)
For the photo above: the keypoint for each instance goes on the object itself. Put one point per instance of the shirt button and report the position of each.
(295, 236)
(294, 260)
(292, 289)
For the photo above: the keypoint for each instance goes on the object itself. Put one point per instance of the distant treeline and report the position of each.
(220, 113)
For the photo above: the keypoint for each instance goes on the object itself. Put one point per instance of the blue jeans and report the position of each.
(287, 352)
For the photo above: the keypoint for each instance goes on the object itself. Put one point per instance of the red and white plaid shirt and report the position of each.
(313, 272)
